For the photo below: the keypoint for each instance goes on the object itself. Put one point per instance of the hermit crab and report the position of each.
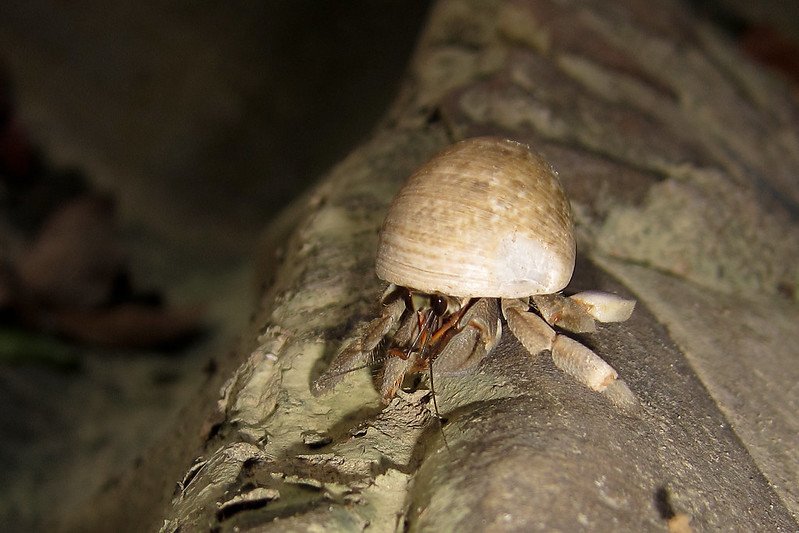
(480, 238)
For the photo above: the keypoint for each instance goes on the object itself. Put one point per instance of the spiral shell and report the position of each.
(486, 217)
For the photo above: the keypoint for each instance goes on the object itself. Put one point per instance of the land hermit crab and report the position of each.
(480, 237)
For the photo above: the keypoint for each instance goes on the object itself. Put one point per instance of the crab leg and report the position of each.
(588, 368)
(534, 334)
(582, 363)
(478, 331)
(394, 371)
(358, 352)
(604, 306)
(448, 325)
(573, 358)
(569, 355)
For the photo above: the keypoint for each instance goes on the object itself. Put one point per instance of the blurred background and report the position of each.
(144, 147)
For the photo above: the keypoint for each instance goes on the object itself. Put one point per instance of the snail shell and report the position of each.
(486, 217)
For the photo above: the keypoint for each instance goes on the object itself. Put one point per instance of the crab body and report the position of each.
(478, 237)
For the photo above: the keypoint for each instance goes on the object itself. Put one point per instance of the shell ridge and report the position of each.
(485, 217)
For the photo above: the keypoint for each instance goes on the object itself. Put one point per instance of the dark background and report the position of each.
(202, 120)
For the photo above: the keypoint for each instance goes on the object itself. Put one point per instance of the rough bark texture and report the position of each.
(681, 160)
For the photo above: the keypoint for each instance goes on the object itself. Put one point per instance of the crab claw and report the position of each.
(479, 330)
(565, 313)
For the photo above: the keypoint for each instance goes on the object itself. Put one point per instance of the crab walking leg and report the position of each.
(380, 327)
(558, 310)
(534, 334)
(357, 353)
(605, 306)
(409, 354)
(569, 355)
(394, 372)
(588, 368)
(582, 363)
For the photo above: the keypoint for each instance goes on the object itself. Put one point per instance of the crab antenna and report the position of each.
(427, 325)
(424, 325)
(435, 408)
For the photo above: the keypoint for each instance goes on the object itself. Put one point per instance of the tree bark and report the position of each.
(680, 158)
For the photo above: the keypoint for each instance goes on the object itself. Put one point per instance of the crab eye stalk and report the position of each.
(438, 304)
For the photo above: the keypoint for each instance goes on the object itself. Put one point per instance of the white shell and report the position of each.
(485, 217)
